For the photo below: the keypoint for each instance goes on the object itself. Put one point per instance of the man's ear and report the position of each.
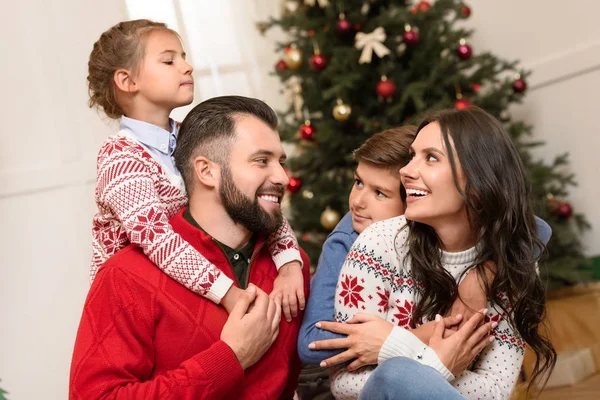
(207, 171)
(124, 81)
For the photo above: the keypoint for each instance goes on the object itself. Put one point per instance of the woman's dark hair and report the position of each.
(497, 197)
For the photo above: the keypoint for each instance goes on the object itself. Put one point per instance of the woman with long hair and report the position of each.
(468, 211)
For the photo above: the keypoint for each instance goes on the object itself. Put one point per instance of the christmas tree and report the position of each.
(351, 68)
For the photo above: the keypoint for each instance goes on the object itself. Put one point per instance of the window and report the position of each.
(219, 37)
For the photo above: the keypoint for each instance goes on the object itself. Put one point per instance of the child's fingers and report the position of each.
(293, 304)
(301, 299)
(285, 307)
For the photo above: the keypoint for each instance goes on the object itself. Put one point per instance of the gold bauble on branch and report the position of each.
(330, 218)
(341, 111)
(293, 57)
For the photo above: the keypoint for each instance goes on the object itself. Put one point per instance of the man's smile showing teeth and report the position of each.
(272, 199)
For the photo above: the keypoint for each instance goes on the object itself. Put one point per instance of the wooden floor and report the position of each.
(588, 389)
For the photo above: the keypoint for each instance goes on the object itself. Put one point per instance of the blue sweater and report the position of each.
(320, 305)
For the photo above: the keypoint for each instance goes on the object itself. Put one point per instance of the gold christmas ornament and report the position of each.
(293, 57)
(341, 111)
(330, 218)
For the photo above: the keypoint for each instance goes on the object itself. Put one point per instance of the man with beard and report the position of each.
(142, 335)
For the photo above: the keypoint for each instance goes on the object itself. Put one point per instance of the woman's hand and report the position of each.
(425, 331)
(366, 334)
(458, 351)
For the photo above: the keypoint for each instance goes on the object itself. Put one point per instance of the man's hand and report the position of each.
(231, 297)
(251, 333)
(289, 288)
(458, 351)
(471, 294)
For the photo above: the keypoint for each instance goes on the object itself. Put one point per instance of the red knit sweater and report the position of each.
(142, 335)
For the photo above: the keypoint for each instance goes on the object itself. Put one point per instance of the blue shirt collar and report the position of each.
(151, 135)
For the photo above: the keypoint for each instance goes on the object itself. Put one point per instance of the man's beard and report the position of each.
(248, 212)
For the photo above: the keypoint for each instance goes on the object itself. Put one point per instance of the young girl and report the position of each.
(468, 208)
(138, 72)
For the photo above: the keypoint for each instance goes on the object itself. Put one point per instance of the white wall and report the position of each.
(50, 140)
(560, 42)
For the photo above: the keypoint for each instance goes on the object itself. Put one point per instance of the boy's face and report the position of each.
(375, 196)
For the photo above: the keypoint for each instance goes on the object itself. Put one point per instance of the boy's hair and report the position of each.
(388, 149)
(122, 46)
(209, 129)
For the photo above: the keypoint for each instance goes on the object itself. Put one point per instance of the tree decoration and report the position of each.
(318, 62)
(341, 111)
(519, 85)
(386, 88)
(343, 27)
(293, 94)
(369, 43)
(294, 185)
(461, 102)
(422, 6)
(330, 218)
(281, 65)
(411, 36)
(293, 57)
(465, 11)
(307, 131)
(322, 3)
(464, 51)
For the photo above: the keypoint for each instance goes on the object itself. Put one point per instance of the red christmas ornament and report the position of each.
(423, 6)
(307, 131)
(565, 211)
(464, 51)
(475, 86)
(343, 26)
(386, 88)
(411, 37)
(318, 62)
(281, 65)
(465, 11)
(519, 86)
(463, 103)
(294, 185)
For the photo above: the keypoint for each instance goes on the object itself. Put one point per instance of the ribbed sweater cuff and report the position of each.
(399, 343)
(430, 358)
(221, 366)
(219, 287)
(287, 256)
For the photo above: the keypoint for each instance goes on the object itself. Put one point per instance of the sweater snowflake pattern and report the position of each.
(376, 279)
(136, 196)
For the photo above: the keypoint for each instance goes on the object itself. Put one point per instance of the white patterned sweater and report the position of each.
(375, 279)
(136, 196)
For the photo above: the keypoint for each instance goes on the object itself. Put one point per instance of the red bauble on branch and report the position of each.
(411, 36)
(519, 86)
(343, 27)
(386, 88)
(564, 211)
(281, 65)
(318, 62)
(464, 51)
(423, 6)
(294, 185)
(465, 11)
(462, 103)
(307, 131)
